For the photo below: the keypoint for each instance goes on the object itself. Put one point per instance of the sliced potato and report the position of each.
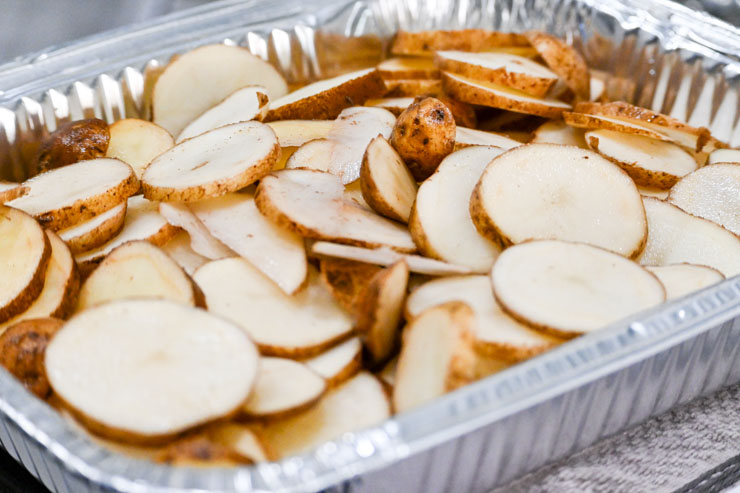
(399, 88)
(201, 240)
(443, 229)
(717, 156)
(682, 279)
(557, 132)
(247, 103)
(436, 355)
(465, 137)
(96, 231)
(212, 164)
(295, 133)
(571, 288)
(408, 68)
(72, 142)
(137, 143)
(325, 99)
(564, 60)
(347, 280)
(712, 192)
(427, 42)
(548, 191)
(203, 77)
(181, 252)
(66, 196)
(387, 185)
(301, 325)
(339, 363)
(10, 191)
(675, 237)
(144, 371)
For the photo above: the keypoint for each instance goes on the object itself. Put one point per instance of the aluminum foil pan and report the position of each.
(684, 64)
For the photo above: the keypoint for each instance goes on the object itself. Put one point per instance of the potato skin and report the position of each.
(423, 135)
(75, 141)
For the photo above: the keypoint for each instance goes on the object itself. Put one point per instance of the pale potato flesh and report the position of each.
(283, 385)
(137, 143)
(334, 363)
(682, 279)
(295, 133)
(179, 249)
(10, 191)
(589, 121)
(394, 105)
(201, 240)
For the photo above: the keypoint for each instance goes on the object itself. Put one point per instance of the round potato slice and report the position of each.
(564, 60)
(96, 231)
(548, 191)
(137, 142)
(215, 163)
(339, 363)
(571, 288)
(24, 255)
(143, 371)
(394, 105)
(682, 279)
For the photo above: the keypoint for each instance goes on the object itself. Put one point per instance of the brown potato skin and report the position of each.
(75, 141)
(423, 135)
(22, 349)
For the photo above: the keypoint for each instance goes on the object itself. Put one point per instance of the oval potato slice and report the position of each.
(564, 60)
(600, 122)
(682, 279)
(96, 231)
(137, 142)
(242, 440)
(401, 88)
(339, 363)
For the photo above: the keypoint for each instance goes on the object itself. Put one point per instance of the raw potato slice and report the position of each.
(498, 96)
(347, 280)
(58, 297)
(712, 192)
(379, 311)
(315, 154)
(394, 105)
(386, 256)
(503, 69)
(408, 68)
(201, 240)
(96, 231)
(682, 279)
(137, 143)
(398, 88)
(339, 363)
(247, 103)
(440, 221)
(283, 387)
(325, 99)
(241, 440)
(24, 255)
(649, 162)
(234, 220)
(571, 288)
(295, 133)
(387, 184)
(427, 42)
(465, 137)
(212, 164)
(556, 132)
(143, 371)
(138, 269)
(497, 335)
(564, 60)
(717, 156)
(547, 191)
(436, 355)
(10, 191)
(582, 120)
(301, 325)
(181, 252)
(675, 237)
(310, 203)
(66, 196)
(203, 77)
(356, 404)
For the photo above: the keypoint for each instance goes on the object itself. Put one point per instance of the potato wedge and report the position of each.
(408, 68)
(347, 280)
(568, 289)
(72, 142)
(67, 196)
(559, 192)
(465, 137)
(137, 143)
(339, 363)
(138, 370)
(203, 77)
(564, 60)
(295, 133)
(682, 279)
(423, 43)
(179, 249)
(212, 164)
(10, 191)
(722, 156)
(202, 241)
(94, 232)
(387, 185)
(557, 132)
(399, 88)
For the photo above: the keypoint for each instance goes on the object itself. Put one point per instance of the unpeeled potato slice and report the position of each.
(387, 185)
(143, 371)
(301, 325)
(295, 133)
(137, 143)
(96, 231)
(408, 68)
(548, 191)
(682, 279)
(201, 240)
(181, 252)
(10, 191)
(564, 60)
(212, 164)
(465, 137)
(339, 363)
(66, 196)
(422, 43)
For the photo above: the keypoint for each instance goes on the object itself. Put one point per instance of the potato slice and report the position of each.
(283, 387)
(247, 103)
(569, 289)
(503, 69)
(564, 60)
(682, 279)
(203, 77)
(339, 363)
(66, 196)
(301, 325)
(356, 404)
(436, 355)
(548, 191)
(61, 284)
(675, 237)
(712, 192)
(557, 132)
(465, 137)
(717, 156)
(10, 191)
(72, 142)
(387, 185)
(234, 220)
(497, 335)
(138, 269)
(408, 68)
(427, 42)
(24, 255)
(137, 143)
(295, 133)
(443, 229)
(201, 240)
(310, 203)
(347, 280)
(144, 371)
(386, 256)
(212, 164)
(498, 96)
(399, 88)
(181, 252)
(325, 99)
(649, 162)
(96, 231)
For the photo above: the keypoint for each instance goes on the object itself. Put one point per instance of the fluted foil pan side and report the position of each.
(684, 64)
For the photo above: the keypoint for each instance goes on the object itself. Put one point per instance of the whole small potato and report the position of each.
(423, 135)
(72, 142)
